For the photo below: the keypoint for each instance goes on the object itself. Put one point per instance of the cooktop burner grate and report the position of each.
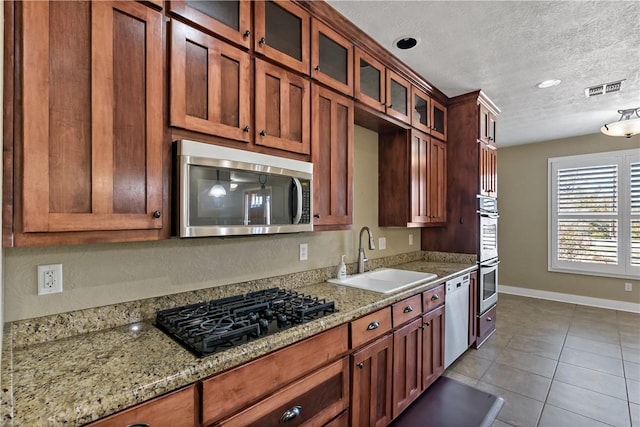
(207, 327)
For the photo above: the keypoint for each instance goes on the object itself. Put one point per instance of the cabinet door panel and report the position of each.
(420, 110)
(369, 85)
(230, 19)
(438, 120)
(419, 178)
(283, 102)
(432, 346)
(331, 58)
(371, 369)
(282, 33)
(437, 182)
(488, 170)
(398, 97)
(92, 161)
(407, 365)
(210, 85)
(332, 157)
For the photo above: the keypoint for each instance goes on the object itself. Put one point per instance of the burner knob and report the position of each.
(282, 320)
(268, 314)
(253, 318)
(264, 326)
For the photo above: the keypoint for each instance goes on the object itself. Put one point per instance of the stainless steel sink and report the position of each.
(385, 280)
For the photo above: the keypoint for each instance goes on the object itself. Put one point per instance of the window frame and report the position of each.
(623, 159)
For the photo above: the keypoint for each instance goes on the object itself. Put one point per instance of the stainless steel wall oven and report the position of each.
(488, 252)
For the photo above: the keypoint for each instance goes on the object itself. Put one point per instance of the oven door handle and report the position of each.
(490, 264)
(486, 214)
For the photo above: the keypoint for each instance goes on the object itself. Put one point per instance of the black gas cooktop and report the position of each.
(207, 327)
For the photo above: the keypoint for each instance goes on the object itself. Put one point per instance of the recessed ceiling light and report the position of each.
(548, 83)
(406, 42)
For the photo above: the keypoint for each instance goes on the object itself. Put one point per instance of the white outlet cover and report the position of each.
(410, 239)
(382, 243)
(49, 279)
(304, 251)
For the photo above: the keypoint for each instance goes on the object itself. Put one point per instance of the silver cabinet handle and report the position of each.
(489, 319)
(291, 414)
(373, 325)
(408, 309)
(360, 365)
(435, 297)
(138, 425)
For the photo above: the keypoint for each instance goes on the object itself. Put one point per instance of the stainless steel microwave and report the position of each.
(224, 192)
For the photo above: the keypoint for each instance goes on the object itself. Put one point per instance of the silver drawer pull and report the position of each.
(373, 325)
(408, 309)
(435, 297)
(489, 319)
(291, 414)
(138, 425)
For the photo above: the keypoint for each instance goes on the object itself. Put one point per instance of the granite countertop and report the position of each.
(81, 378)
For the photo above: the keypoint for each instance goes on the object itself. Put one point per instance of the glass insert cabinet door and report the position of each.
(370, 81)
(282, 33)
(331, 58)
(227, 18)
(398, 97)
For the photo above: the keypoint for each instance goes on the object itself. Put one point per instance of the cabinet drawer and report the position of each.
(313, 401)
(407, 309)
(370, 327)
(177, 409)
(486, 324)
(432, 298)
(230, 391)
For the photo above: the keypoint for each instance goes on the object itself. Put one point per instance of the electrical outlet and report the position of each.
(628, 286)
(410, 239)
(49, 279)
(304, 251)
(382, 243)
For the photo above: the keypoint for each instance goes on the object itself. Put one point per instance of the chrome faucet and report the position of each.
(362, 258)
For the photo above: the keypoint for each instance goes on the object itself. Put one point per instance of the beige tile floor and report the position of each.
(558, 364)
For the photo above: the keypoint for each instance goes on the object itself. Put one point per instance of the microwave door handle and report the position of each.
(298, 207)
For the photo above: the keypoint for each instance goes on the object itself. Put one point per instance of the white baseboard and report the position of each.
(570, 298)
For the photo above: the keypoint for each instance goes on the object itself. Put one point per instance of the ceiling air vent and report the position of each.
(603, 88)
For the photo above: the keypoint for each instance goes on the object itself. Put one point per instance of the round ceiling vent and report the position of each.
(406, 42)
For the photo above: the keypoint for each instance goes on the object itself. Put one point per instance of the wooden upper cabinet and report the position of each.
(230, 19)
(331, 58)
(282, 33)
(487, 131)
(369, 85)
(210, 85)
(332, 157)
(420, 110)
(92, 111)
(438, 120)
(398, 97)
(412, 185)
(488, 170)
(437, 182)
(282, 105)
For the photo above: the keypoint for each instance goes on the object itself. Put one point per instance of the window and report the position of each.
(594, 214)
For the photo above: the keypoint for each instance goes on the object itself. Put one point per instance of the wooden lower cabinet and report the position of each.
(486, 325)
(407, 365)
(313, 401)
(230, 392)
(432, 346)
(371, 377)
(176, 409)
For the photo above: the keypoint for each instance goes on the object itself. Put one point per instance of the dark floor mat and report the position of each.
(449, 403)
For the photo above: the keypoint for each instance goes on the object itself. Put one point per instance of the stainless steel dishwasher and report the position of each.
(456, 318)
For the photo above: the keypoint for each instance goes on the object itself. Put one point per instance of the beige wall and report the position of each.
(96, 275)
(522, 232)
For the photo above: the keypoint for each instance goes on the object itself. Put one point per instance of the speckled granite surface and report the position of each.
(79, 378)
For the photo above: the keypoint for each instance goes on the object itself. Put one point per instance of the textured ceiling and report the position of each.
(506, 47)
